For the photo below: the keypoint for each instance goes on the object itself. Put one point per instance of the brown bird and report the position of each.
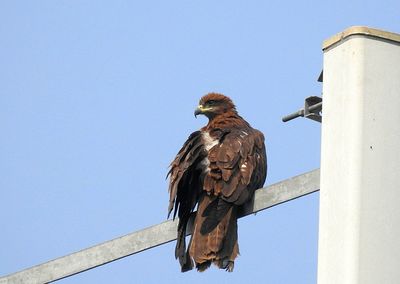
(218, 169)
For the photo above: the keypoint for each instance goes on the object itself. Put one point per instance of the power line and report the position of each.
(154, 236)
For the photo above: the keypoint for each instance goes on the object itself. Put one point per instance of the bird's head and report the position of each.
(213, 104)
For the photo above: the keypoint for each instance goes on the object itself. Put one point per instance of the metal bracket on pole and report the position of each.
(312, 107)
(312, 110)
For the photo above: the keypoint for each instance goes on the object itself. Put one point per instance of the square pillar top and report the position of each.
(360, 31)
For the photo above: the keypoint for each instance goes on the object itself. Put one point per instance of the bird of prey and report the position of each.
(218, 169)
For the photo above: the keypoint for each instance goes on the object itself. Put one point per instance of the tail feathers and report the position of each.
(214, 213)
(214, 239)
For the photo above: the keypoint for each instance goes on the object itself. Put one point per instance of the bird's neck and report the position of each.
(229, 119)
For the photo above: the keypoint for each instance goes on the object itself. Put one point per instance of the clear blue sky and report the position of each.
(97, 97)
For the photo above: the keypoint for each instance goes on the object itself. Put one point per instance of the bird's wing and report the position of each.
(184, 190)
(238, 167)
(183, 172)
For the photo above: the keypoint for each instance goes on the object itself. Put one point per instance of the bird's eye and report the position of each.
(211, 102)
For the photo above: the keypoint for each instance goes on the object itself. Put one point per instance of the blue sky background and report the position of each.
(97, 97)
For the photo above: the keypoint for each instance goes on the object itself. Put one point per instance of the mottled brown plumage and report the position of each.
(218, 169)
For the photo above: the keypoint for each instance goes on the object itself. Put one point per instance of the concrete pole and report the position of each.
(359, 227)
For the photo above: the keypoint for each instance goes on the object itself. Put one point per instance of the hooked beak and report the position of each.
(202, 110)
(198, 110)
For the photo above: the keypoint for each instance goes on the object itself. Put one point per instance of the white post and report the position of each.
(359, 227)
